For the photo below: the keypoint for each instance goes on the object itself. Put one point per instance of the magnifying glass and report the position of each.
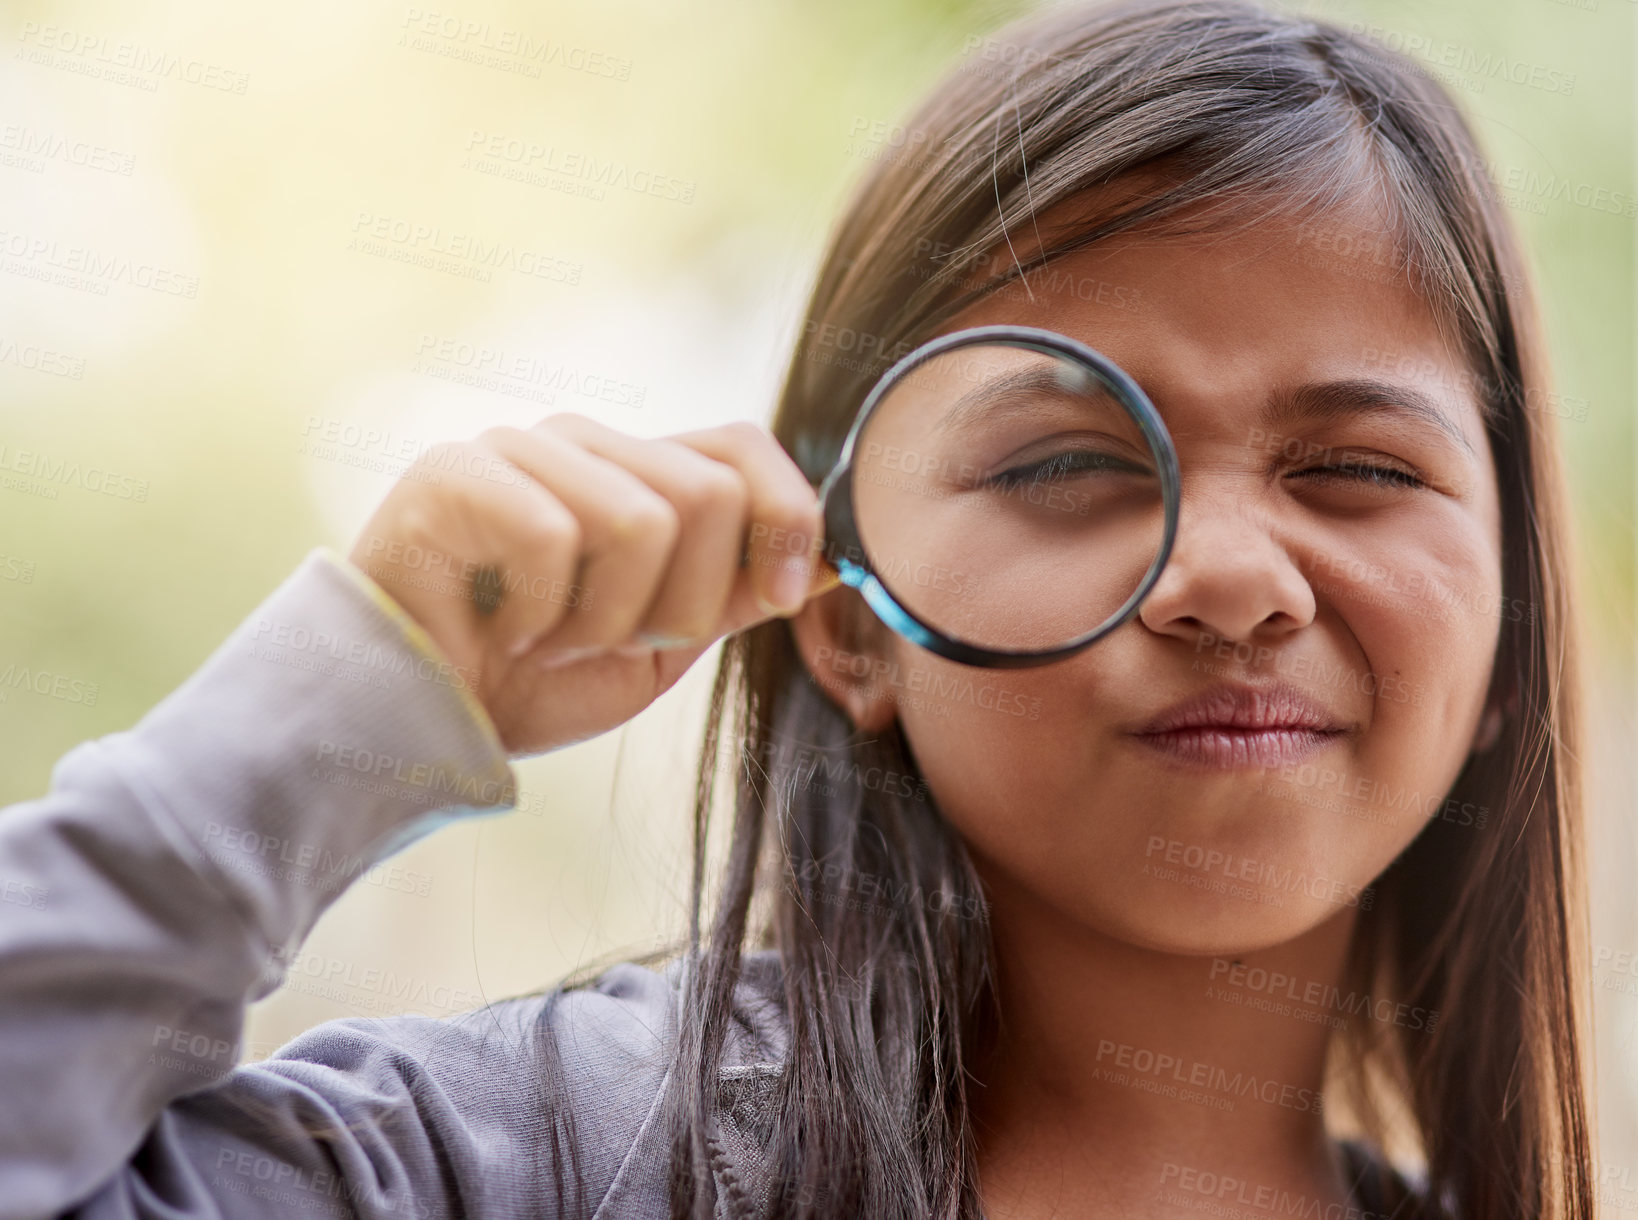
(1005, 497)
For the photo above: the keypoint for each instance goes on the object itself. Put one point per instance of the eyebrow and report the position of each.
(1020, 385)
(1333, 400)
(1318, 400)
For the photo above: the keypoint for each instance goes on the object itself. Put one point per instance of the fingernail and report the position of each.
(790, 587)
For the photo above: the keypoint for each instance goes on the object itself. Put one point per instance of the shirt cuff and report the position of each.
(326, 733)
(416, 636)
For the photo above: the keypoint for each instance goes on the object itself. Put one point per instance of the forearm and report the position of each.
(172, 868)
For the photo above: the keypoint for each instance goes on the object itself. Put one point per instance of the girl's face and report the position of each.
(1284, 361)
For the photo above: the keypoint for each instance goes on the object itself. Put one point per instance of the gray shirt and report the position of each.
(174, 869)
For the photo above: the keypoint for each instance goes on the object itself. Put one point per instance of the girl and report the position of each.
(1275, 888)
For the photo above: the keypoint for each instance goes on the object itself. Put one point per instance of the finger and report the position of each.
(628, 531)
(785, 527)
(711, 499)
(430, 549)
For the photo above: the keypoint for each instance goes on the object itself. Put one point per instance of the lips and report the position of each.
(1279, 706)
(1233, 725)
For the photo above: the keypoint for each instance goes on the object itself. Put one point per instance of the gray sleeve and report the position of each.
(170, 872)
(412, 1117)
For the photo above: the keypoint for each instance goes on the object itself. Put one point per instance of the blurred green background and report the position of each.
(220, 164)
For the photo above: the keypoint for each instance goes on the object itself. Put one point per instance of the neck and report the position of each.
(1129, 1075)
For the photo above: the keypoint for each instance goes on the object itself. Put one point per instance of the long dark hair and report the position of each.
(890, 1001)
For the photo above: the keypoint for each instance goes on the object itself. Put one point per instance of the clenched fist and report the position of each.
(579, 571)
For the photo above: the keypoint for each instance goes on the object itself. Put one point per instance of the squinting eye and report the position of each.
(1364, 472)
(1060, 466)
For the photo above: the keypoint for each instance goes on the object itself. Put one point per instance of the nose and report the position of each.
(1228, 575)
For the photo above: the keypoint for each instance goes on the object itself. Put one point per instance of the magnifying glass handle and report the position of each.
(825, 577)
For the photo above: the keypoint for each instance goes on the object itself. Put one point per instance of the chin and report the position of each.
(1211, 925)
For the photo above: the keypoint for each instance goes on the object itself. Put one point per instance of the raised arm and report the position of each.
(510, 595)
(173, 868)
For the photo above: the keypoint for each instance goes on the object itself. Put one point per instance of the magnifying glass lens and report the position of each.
(1008, 497)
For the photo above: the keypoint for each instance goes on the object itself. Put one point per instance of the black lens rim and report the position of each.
(846, 552)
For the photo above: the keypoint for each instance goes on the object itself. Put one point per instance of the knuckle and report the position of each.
(713, 488)
(696, 628)
(745, 432)
(500, 436)
(795, 513)
(416, 524)
(552, 531)
(694, 621)
(566, 421)
(643, 517)
(441, 455)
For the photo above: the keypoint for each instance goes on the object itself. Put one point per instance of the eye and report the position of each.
(1362, 472)
(1061, 466)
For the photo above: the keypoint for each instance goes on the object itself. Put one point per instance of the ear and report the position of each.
(845, 647)
(1490, 724)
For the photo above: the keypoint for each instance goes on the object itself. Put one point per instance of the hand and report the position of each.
(578, 571)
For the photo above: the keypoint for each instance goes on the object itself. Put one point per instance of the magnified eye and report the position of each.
(1062, 466)
(1012, 493)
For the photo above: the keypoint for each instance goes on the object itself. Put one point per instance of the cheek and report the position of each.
(1424, 609)
(990, 743)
